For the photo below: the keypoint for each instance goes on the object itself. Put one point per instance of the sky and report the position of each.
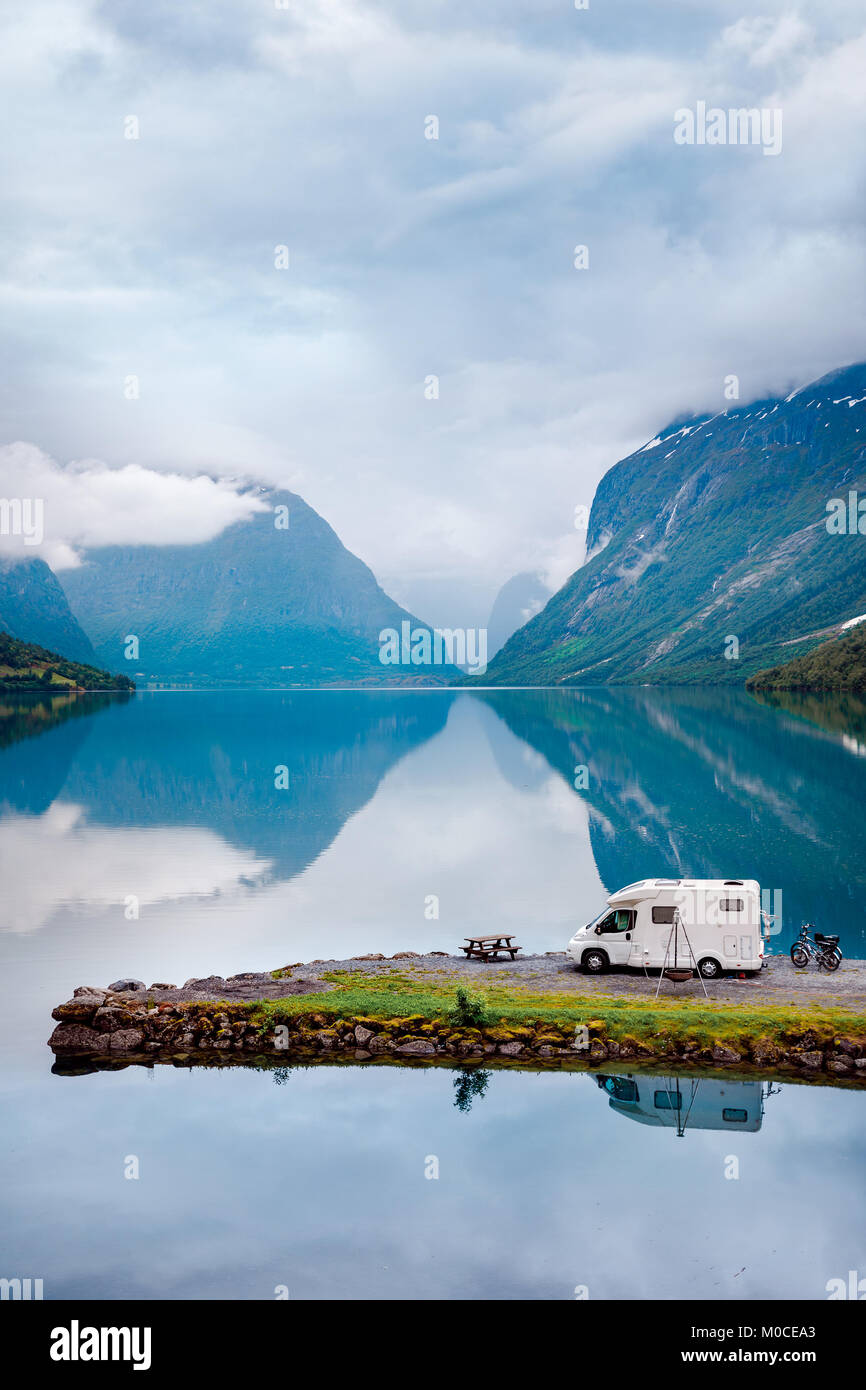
(156, 350)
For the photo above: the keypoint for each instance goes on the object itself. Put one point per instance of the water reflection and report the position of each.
(320, 1184)
(358, 808)
(684, 1102)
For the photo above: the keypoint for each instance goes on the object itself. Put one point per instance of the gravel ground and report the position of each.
(778, 983)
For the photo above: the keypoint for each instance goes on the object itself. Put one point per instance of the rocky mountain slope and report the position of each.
(711, 550)
(34, 608)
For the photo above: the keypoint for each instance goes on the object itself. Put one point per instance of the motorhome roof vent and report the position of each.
(666, 882)
(733, 883)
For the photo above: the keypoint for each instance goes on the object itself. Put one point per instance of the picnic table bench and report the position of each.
(487, 947)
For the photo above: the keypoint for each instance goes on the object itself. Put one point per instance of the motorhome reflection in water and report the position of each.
(713, 925)
(681, 1102)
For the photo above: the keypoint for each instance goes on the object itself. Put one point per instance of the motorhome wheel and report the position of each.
(709, 968)
(595, 962)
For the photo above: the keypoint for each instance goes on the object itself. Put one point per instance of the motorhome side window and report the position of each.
(620, 920)
(664, 915)
(732, 904)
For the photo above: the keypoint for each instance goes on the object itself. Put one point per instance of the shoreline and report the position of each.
(537, 1012)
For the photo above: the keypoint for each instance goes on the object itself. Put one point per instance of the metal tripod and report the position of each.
(678, 926)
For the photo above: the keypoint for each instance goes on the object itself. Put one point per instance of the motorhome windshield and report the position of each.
(594, 921)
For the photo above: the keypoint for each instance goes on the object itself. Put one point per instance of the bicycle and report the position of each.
(824, 949)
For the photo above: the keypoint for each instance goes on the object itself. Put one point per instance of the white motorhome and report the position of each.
(652, 924)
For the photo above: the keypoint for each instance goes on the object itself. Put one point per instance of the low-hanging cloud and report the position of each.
(65, 511)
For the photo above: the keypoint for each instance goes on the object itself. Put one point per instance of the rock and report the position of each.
(840, 1063)
(326, 1039)
(127, 1040)
(546, 1051)
(406, 955)
(76, 1037)
(511, 1049)
(88, 992)
(108, 1019)
(508, 1034)
(813, 1060)
(80, 1010)
(418, 1047)
(764, 1052)
(725, 1054)
(211, 984)
(597, 1050)
(373, 955)
(437, 953)
(163, 986)
(362, 1035)
(127, 985)
(860, 1062)
(361, 1054)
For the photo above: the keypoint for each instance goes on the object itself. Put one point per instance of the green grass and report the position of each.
(395, 996)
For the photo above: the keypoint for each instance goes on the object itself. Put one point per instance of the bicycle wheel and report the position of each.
(800, 956)
(830, 960)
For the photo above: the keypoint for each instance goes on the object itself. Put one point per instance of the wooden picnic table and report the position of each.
(487, 947)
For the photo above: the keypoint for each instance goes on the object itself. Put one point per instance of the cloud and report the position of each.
(94, 867)
(89, 504)
(410, 257)
(764, 39)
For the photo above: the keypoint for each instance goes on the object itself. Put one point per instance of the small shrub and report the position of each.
(469, 1011)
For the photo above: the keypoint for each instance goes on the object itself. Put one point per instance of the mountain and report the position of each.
(34, 608)
(25, 666)
(721, 528)
(839, 664)
(519, 599)
(276, 599)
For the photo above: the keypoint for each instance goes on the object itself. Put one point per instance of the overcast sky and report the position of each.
(304, 127)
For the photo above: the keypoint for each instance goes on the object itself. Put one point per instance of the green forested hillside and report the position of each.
(24, 666)
(836, 665)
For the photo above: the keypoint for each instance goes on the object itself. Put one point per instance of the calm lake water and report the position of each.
(167, 804)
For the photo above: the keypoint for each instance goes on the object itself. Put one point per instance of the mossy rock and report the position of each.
(548, 1039)
(506, 1034)
(76, 1011)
